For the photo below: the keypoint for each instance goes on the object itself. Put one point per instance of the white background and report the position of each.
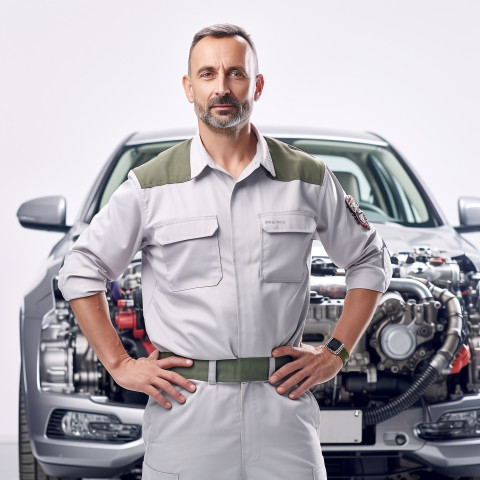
(78, 76)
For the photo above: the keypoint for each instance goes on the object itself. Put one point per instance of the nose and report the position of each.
(222, 85)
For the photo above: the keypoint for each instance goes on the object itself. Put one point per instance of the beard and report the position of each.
(226, 119)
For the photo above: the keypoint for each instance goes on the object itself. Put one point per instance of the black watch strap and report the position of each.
(338, 348)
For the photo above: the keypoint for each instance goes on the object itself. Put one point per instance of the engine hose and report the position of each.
(440, 360)
(410, 285)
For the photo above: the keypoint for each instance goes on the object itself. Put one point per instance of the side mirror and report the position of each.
(45, 213)
(469, 214)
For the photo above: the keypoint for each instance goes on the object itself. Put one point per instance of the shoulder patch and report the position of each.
(291, 163)
(358, 214)
(169, 166)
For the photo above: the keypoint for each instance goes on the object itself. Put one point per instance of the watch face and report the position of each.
(334, 343)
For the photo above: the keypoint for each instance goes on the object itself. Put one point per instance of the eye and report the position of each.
(206, 74)
(236, 73)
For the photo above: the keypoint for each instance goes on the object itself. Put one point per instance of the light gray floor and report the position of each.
(9, 460)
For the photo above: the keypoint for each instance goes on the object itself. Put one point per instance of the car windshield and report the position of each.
(372, 174)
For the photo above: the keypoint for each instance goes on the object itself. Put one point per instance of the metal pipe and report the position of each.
(410, 285)
(335, 287)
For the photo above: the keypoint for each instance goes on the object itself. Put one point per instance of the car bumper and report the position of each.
(67, 457)
(385, 456)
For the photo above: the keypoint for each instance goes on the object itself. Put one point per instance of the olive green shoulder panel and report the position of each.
(291, 163)
(170, 166)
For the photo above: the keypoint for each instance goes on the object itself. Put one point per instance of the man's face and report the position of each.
(222, 83)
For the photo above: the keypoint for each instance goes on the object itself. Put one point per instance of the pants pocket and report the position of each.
(148, 473)
(316, 410)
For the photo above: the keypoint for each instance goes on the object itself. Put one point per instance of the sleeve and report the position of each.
(105, 248)
(351, 243)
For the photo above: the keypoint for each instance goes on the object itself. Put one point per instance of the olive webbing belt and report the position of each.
(249, 369)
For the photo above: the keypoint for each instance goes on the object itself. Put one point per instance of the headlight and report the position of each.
(90, 426)
(451, 425)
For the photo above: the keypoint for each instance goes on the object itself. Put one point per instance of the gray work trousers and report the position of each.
(233, 431)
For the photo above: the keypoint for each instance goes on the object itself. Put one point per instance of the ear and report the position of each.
(259, 82)
(187, 86)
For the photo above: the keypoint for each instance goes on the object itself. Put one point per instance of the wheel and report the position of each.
(29, 467)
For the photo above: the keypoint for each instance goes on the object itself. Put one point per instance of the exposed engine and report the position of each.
(423, 340)
(67, 362)
(429, 316)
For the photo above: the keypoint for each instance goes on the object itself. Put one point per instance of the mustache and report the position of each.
(225, 100)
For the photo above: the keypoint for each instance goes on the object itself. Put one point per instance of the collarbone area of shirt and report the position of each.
(173, 165)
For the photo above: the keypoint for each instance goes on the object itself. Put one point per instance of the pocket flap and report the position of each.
(302, 222)
(185, 229)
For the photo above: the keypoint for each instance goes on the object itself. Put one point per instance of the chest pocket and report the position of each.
(190, 251)
(286, 245)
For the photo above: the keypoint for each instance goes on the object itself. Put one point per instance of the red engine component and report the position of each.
(127, 320)
(462, 359)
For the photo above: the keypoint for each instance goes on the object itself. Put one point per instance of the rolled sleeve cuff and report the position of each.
(79, 277)
(370, 276)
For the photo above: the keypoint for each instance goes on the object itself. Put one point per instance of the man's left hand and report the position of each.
(312, 365)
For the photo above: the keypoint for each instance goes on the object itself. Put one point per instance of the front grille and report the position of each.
(54, 428)
(369, 465)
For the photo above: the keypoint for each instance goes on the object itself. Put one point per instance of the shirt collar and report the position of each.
(200, 158)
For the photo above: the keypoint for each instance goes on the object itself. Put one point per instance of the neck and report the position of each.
(231, 148)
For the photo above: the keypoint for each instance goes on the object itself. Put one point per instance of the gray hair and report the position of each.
(223, 30)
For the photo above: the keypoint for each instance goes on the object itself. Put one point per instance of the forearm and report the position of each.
(358, 309)
(92, 315)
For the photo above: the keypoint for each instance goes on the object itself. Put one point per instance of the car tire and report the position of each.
(29, 468)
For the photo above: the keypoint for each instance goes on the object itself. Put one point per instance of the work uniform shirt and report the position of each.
(226, 262)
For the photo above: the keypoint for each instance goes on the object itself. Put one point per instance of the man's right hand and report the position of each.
(146, 375)
(149, 374)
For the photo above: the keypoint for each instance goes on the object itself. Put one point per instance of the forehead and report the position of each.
(226, 50)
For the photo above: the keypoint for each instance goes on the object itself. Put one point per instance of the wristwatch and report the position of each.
(338, 348)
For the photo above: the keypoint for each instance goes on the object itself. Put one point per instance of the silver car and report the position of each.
(406, 405)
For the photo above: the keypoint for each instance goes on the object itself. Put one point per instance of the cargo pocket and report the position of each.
(148, 473)
(286, 245)
(190, 251)
(316, 410)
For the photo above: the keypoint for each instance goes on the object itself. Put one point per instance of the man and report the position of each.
(225, 223)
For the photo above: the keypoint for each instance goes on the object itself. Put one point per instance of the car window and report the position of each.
(372, 174)
(353, 180)
(131, 158)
